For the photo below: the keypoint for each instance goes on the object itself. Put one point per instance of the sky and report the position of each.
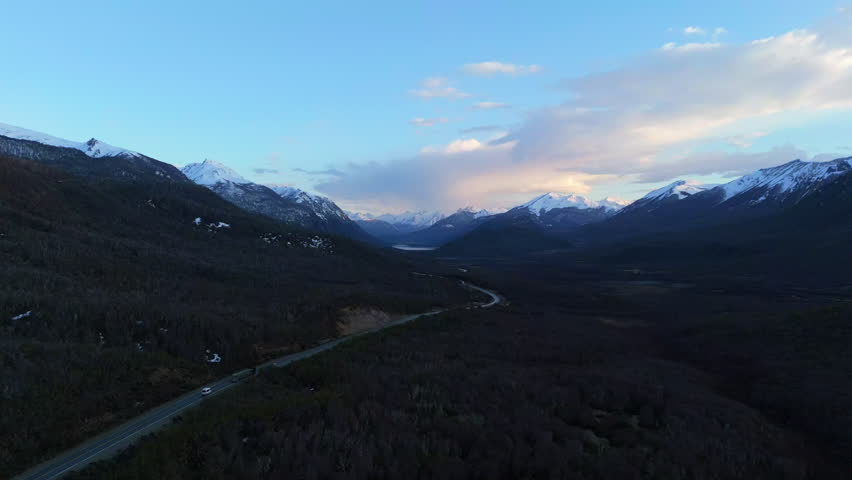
(393, 106)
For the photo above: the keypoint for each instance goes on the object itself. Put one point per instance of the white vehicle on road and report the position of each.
(206, 391)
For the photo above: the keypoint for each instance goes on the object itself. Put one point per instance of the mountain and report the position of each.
(382, 230)
(507, 234)
(91, 158)
(552, 201)
(678, 210)
(449, 228)
(683, 204)
(673, 192)
(321, 206)
(412, 221)
(788, 182)
(93, 148)
(533, 225)
(784, 228)
(281, 202)
(390, 227)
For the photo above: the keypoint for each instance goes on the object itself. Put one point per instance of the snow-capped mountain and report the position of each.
(418, 219)
(554, 212)
(93, 148)
(391, 227)
(211, 172)
(612, 203)
(679, 189)
(281, 202)
(322, 206)
(671, 193)
(479, 212)
(90, 158)
(796, 178)
(449, 228)
(768, 191)
(551, 201)
(791, 181)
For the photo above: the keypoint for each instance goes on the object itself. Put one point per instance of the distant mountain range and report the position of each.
(552, 201)
(390, 227)
(448, 228)
(552, 221)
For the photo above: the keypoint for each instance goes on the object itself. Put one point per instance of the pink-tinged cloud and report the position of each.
(625, 123)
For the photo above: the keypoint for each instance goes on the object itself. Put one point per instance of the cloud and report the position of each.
(719, 31)
(672, 112)
(456, 146)
(694, 31)
(264, 171)
(489, 106)
(427, 122)
(437, 87)
(689, 47)
(482, 128)
(462, 172)
(331, 171)
(493, 68)
(729, 164)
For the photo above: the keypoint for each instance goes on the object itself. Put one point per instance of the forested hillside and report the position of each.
(116, 295)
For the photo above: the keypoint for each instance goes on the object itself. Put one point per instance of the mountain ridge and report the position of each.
(281, 202)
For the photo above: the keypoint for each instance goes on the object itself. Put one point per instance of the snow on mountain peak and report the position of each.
(323, 207)
(93, 148)
(552, 200)
(211, 172)
(292, 193)
(680, 189)
(420, 218)
(480, 212)
(788, 177)
(612, 203)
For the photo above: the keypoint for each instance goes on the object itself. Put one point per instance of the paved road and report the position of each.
(110, 442)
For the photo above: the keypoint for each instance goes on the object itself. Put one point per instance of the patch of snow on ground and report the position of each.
(270, 238)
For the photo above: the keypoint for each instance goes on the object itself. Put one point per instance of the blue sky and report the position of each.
(332, 88)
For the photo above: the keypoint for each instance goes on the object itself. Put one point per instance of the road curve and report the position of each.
(112, 441)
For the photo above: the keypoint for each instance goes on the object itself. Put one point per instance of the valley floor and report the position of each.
(587, 373)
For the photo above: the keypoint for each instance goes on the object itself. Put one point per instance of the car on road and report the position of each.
(206, 391)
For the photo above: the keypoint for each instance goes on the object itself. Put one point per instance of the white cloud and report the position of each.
(459, 146)
(694, 31)
(689, 47)
(427, 122)
(719, 31)
(493, 68)
(657, 117)
(438, 87)
(489, 106)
